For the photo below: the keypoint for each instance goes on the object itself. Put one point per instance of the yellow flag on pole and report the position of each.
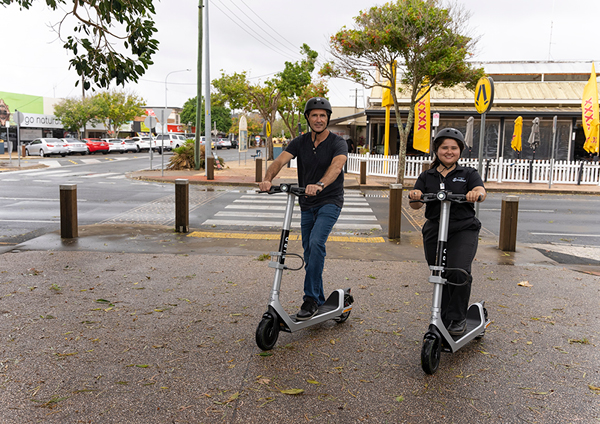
(422, 126)
(517, 134)
(590, 119)
(387, 98)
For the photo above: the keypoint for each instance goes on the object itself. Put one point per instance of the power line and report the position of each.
(263, 42)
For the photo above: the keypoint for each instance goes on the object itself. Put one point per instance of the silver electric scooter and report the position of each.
(437, 338)
(337, 306)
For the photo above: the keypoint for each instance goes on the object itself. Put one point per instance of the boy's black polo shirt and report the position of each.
(460, 180)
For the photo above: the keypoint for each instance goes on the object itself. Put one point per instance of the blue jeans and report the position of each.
(316, 224)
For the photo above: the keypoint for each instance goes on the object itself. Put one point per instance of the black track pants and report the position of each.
(461, 249)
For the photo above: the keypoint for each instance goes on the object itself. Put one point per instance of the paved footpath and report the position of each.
(135, 324)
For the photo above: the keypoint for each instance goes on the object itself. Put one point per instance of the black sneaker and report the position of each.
(457, 328)
(308, 310)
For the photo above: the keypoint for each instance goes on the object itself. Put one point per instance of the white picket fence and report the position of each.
(498, 170)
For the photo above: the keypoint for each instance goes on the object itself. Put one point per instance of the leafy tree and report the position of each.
(231, 91)
(75, 114)
(416, 42)
(254, 125)
(116, 108)
(219, 114)
(296, 86)
(111, 39)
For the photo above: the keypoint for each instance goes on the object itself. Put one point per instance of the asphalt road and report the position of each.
(30, 203)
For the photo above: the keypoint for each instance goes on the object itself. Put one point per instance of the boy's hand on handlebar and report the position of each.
(475, 196)
(415, 194)
(264, 185)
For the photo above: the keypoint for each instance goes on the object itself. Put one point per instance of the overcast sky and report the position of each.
(258, 36)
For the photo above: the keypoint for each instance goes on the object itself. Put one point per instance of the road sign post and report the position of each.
(18, 117)
(150, 122)
(484, 98)
(163, 116)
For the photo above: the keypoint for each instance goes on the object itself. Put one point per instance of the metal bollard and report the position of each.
(395, 212)
(210, 168)
(508, 224)
(363, 172)
(68, 211)
(182, 205)
(258, 177)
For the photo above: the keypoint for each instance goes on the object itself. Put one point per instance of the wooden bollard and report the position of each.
(508, 224)
(210, 168)
(363, 171)
(182, 205)
(425, 166)
(68, 211)
(395, 212)
(258, 177)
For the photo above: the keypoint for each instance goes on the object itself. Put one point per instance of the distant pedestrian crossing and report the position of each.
(262, 210)
(53, 174)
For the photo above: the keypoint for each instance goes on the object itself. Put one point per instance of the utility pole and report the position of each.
(198, 90)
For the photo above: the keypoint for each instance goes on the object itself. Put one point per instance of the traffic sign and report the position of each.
(150, 122)
(268, 129)
(163, 115)
(18, 118)
(484, 94)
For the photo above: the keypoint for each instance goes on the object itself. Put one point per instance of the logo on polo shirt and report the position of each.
(459, 179)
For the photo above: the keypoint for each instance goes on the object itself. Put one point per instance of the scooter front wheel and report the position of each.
(430, 353)
(267, 333)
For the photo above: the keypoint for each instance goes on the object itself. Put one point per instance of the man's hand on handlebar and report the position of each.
(264, 185)
(312, 190)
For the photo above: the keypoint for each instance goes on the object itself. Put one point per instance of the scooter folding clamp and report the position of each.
(437, 279)
(436, 268)
(277, 265)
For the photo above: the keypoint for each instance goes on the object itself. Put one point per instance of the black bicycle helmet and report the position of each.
(449, 133)
(317, 103)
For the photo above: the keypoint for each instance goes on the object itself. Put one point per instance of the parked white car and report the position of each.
(114, 145)
(171, 141)
(46, 147)
(142, 143)
(223, 143)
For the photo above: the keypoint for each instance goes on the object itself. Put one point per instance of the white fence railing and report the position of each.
(498, 170)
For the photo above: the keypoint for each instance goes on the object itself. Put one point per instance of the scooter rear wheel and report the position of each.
(267, 333)
(345, 315)
(430, 353)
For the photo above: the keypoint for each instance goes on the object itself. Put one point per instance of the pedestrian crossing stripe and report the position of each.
(292, 237)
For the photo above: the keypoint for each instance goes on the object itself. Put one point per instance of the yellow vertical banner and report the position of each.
(589, 107)
(422, 126)
(387, 101)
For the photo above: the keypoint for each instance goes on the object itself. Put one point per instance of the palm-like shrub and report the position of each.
(183, 157)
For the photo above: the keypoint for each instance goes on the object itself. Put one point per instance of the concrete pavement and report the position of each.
(138, 324)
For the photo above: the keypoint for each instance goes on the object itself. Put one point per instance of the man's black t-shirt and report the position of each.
(312, 165)
(460, 180)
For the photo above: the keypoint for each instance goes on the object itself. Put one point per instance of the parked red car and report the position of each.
(96, 145)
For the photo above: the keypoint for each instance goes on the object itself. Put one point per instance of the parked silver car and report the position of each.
(75, 146)
(223, 143)
(46, 147)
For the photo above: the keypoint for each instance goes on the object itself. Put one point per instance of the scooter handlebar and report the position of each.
(285, 188)
(444, 195)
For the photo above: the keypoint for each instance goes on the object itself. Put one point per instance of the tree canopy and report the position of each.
(75, 114)
(285, 94)
(416, 43)
(111, 40)
(219, 114)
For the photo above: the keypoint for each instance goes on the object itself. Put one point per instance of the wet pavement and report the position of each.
(137, 324)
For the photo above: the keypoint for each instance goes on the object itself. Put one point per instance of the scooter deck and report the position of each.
(331, 304)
